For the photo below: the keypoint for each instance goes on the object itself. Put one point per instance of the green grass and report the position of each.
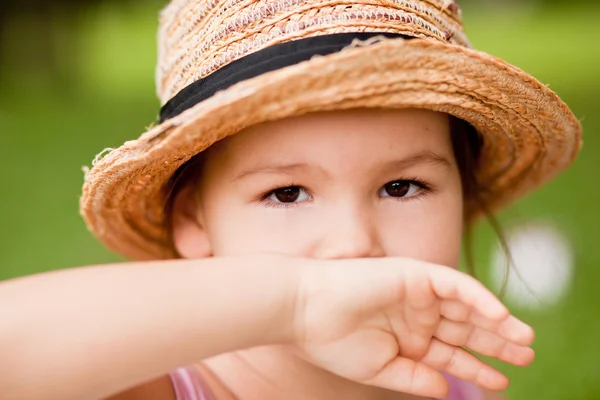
(558, 48)
(48, 134)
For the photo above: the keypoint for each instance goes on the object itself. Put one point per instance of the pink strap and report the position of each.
(188, 384)
(461, 390)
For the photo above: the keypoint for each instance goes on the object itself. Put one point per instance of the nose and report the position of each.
(349, 232)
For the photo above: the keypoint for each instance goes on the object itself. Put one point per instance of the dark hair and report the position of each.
(467, 144)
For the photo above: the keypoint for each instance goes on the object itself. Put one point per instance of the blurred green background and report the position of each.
(77, 77)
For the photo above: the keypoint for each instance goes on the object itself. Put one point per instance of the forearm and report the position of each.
(90, 332)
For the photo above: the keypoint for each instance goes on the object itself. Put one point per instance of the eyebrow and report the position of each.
(276, 169)
(423, 157)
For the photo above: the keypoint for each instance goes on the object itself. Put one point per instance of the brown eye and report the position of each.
(399, 189)
(290, 194)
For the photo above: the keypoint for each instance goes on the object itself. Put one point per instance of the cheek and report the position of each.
(431, 231)
(428, 229)
(250, 229)
(424, 232)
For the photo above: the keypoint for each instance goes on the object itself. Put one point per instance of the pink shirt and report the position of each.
(188, 385)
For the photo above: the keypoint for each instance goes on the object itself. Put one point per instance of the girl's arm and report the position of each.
(91, 332)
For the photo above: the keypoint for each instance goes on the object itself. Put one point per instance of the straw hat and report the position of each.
(228, 64)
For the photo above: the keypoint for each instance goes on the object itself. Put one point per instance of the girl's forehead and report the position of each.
(368, 126)
(338, 137)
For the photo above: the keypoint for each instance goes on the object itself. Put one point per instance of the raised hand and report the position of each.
(395, 323)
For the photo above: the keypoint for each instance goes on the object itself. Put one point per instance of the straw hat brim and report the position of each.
(529, 134)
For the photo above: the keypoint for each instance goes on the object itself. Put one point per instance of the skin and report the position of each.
(348, 292)
(342, 162)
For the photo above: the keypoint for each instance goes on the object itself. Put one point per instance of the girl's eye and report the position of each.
(400, 189)
(290, 194)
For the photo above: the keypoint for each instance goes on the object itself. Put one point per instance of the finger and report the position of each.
(407, 376)
(516, 331)
(456, 310)
(450, 284)
(462, 364)
(510, 328)
(486, 343)
(412, 336)
(421, 314)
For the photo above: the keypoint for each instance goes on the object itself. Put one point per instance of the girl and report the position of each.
(315, 167)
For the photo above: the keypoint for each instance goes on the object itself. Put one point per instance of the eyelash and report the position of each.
(264, 198)
(425, 190)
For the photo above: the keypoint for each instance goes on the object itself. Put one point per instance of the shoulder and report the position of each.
(191, 382)
(158, 389)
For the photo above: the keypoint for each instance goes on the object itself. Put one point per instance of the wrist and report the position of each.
(281, 279)
(265, 290)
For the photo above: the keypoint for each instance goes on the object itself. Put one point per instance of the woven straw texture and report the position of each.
(529, 134)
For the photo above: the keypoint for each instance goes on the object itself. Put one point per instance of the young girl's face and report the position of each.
(360, 183)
